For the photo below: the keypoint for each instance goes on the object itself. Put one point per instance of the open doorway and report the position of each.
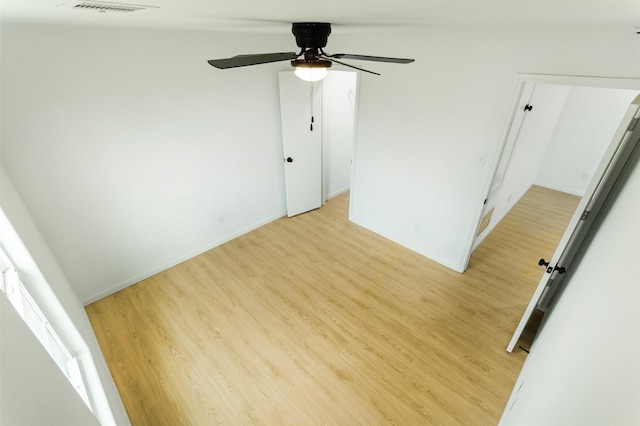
(557, 139)
(318, 128)
(339, 107)
(559, 149)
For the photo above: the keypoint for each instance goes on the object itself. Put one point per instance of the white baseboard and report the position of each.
(336, 193)
(166, 265)
(561, 189)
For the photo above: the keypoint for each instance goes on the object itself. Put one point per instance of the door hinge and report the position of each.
(585, 215)
(528, 107)
(633, 124)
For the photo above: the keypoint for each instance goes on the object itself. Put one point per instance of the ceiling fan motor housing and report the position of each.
(311, 35)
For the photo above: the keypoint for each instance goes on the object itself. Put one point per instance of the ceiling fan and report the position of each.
(312, 62)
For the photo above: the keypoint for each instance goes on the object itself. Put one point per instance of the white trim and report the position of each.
(354, 148)
(584, 81)
(515, 108)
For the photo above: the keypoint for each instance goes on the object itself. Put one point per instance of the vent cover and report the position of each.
(104, 7)
(485, 221)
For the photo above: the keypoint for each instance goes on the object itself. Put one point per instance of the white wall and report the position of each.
(423, 128)
(127, 146)
(49, 287)
(583, 367)
(584, 130)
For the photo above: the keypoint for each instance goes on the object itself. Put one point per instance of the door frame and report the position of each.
(332, 150)
(521, 80)
(302, 142)
(596, 199)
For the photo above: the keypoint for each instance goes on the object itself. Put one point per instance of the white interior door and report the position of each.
(604, 180)
(519, 112)
(514, 126)
(301, 112)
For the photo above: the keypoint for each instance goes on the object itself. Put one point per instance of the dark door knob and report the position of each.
(289, 160)
(543, 262)
(560, 269)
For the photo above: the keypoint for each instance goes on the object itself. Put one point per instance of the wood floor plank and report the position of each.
(315, 320)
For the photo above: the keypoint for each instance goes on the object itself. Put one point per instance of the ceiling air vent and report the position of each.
(103, 6)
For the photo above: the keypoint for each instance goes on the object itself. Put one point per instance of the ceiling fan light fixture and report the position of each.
(311, 70)
(311, 37)
(311, 74)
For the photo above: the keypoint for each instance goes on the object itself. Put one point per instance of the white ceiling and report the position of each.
(346, 16)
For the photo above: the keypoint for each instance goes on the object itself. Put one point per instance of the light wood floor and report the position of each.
(315, 320)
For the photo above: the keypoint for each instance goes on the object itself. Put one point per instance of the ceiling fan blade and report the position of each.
(351, 66)
(246, 60)
(371, 58)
